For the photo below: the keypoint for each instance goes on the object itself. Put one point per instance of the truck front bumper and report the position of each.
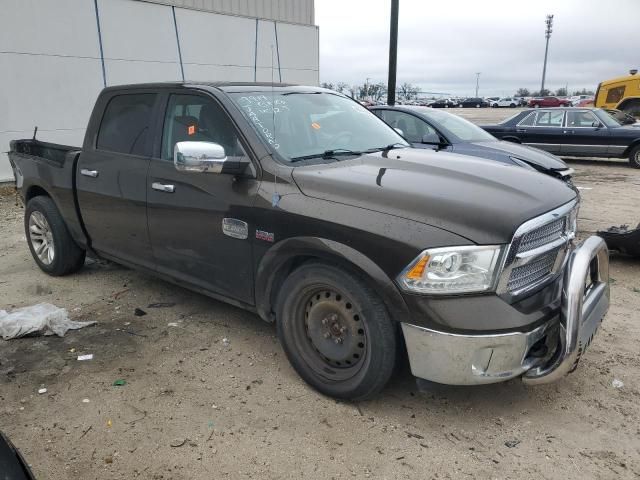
(541, 355)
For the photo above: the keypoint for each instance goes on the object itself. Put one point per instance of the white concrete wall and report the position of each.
(51, 66)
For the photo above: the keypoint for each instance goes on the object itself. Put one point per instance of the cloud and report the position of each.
(442, 44)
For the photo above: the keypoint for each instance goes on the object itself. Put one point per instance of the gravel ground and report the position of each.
(198, 407)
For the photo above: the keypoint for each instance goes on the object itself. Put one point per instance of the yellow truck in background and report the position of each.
(622, 93)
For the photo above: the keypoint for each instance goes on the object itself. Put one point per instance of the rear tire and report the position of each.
(50, 242)
(634, 157)
(336, 332)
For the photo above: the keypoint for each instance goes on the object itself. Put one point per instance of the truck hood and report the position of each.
(539, 159)
(481, 200)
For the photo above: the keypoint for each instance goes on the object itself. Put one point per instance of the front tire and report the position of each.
(336, 332)
(634, 157)
(50, 242)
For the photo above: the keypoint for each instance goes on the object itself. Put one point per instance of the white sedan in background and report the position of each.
(505, 102)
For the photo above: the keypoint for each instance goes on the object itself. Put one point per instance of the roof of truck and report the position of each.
(220, 85)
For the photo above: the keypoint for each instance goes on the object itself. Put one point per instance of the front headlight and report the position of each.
(448, 270)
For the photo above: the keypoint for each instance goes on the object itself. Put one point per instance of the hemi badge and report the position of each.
(266, 236)
(235, 228)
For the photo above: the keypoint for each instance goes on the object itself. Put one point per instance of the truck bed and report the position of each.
(42, 168)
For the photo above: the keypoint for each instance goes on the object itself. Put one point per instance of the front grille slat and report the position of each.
(542, 235)
(525, 272)
(533, 272)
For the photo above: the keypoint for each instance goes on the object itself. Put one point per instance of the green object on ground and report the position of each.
(119, 383)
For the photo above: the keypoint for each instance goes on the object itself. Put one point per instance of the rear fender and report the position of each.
(288, 254)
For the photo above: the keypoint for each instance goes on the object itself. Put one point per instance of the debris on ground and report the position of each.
(42, 390)
(512, 443)
(88, 356)
(226, 342)
(119, 383)
(161, 305)
(178, 442)
(43, 318)
(622, 239)
(617, 383)
(172, 324)
(138, 312)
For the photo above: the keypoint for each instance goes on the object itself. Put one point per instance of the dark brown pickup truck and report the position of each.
(300, 205)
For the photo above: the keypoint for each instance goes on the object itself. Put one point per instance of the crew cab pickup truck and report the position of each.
(299, 204)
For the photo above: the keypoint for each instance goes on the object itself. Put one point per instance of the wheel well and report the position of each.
(281, 273)
(35, 191)
(627, 152)
(511, 139)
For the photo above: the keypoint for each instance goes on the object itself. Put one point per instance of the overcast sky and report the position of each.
(441, 44)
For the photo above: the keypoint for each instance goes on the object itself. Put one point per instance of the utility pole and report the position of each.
(477, 82)
(366, 88)
(547, 34)
(393, 53)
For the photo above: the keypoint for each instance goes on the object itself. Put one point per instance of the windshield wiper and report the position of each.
(326, 154)
(387, 148)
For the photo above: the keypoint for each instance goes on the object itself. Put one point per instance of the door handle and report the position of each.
(521, 130)
(161, 187)
(88, 173)
(568, 131)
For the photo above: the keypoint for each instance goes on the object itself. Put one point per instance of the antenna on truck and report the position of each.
(35, 130)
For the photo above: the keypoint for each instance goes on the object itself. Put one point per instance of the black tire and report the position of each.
(66, 256)
(319, 304)
(512, 105)
(634, 157)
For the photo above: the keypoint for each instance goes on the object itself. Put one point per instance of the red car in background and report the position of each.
(547, 102)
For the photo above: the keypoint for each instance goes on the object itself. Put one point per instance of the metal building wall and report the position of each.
(293, 11)
(52, 61)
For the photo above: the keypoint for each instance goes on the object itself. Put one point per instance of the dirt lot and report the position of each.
(195, 407)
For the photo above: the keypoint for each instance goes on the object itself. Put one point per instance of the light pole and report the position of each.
(366, 87)
(477, 82)
(393, 53)
(547, 34)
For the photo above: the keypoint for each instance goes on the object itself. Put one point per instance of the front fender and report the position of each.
(286, 255)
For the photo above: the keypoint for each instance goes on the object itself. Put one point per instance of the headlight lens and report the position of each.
(452, 270)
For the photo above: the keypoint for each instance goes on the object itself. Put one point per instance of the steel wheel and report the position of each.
(332, 335)
(41, 237)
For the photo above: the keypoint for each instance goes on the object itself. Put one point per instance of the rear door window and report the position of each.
(125, 124)
(550, 119)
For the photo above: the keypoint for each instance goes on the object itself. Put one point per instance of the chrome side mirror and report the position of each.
(204, 157)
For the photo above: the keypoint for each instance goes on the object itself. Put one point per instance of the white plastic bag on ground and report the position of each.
(43, 317)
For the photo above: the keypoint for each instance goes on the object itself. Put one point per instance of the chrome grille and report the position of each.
(543, 235)
(538, 250)
(532, 272)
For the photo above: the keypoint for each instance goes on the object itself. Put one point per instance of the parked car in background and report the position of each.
(473, 102)
(585, 102)
(300, 205)
(575, 99)
(573, 132)
(547, 102)
(443, 131)
(444, 103)
(505, 102)
(622, 117)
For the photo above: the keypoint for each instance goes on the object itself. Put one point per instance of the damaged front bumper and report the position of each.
(541, 355)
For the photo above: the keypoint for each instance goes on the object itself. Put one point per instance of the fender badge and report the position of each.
(235, 228)
(266, 236)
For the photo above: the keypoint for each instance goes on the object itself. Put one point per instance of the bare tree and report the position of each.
(523, 92)
(561, 92)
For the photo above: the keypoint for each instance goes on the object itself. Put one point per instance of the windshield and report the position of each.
(607, 119)
(310, 124)
(457, 128)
